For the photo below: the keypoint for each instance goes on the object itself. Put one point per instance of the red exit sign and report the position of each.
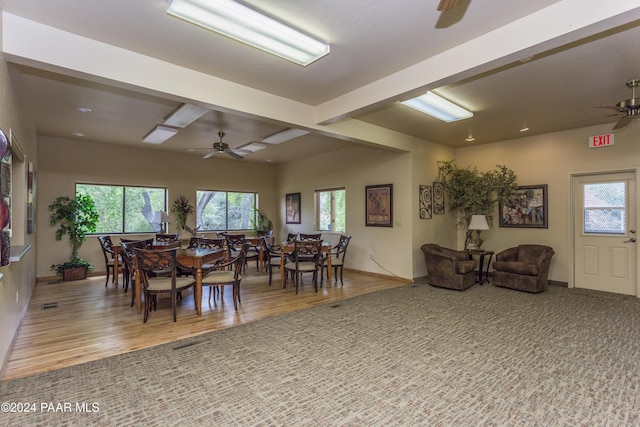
(598, 141)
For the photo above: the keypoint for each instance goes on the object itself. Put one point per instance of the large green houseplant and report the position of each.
(261, 225)
(471, 192)
(181, 209)
(75, 218)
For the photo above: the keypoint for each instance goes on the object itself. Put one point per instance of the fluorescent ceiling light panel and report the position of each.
(285, 135)
(159, 135)
(253, 147)
(185, 115)
(249, 26)
(438, 107)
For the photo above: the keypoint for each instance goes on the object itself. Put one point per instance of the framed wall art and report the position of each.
(292, 206)
(379, 205)
(425, 201)
(438, 198)
(527, 208)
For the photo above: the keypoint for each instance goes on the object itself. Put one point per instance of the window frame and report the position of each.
(332, 222)
(123, 206)
(252, 215)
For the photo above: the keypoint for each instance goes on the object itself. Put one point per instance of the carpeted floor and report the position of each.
(412, 356)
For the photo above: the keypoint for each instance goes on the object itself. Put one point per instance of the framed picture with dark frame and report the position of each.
(379, 205)
(292, 206)
(528, 208)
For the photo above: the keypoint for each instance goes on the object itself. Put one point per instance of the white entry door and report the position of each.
(605, 233)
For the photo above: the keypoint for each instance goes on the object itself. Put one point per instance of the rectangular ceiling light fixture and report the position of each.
(438, 107)
(159, 135)
(185, 115)
(242, 23)
(253, 147)
(284, 135)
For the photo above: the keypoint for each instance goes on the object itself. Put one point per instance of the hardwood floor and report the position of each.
(92, 321)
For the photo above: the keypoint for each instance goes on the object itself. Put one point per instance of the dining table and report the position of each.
(195, 258)
(287, 248)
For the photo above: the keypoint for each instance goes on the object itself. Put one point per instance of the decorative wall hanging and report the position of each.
(425, 201)
(379, 205)
(438, 198)
(31, 199)
(292, 205)
(527, 208)
(5, 199)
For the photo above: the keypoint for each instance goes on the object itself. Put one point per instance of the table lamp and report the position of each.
(478, 223)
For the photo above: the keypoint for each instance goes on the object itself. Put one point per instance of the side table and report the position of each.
(482, 270)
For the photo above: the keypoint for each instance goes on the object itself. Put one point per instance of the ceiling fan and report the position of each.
(221, 147)
(631, 106)
(449, 4)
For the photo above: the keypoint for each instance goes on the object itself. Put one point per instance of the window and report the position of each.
(605, 208)
(331, 210)
(225, 210)
(126, 209)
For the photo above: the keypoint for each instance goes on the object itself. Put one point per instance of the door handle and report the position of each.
(631, 240)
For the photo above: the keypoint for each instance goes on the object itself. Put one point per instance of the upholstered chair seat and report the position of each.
(448, 268)
(524, 268)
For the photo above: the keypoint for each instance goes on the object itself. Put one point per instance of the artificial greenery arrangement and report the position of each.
(476, 193)
(261, 225)
(76, 218)
(181, 209)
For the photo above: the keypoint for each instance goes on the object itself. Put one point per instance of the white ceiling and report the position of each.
(373, 44)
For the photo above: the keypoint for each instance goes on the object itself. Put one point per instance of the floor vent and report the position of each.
(335, 305)
(180, 347)
(53, 282)
(49, 305)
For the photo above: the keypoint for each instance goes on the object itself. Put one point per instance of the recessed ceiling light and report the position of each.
(438, 107)
(84, 110)
(252, 147)
(248, 25)
(524, 129)
(470, 139)
(159, 135)
(78, 134)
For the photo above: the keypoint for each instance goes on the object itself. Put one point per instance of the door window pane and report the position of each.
(605, 207)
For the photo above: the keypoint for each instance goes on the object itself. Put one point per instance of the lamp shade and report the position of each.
(478, 222)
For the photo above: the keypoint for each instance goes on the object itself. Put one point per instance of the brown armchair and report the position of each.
(448, 268)
(524, 268)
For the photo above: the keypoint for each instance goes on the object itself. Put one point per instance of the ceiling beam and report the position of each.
(557, 25)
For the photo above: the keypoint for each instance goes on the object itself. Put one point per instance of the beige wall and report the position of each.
(63, 163)
(551, 159)
(355, 168)
(19, 277)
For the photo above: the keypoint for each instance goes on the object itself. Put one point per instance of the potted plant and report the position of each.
(261, 225)
(75, 218)
(181, 209)
(476, 193)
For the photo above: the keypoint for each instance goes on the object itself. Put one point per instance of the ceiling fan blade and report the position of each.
(234, 155)
(210, 154)
(448, 5)
(622, 122)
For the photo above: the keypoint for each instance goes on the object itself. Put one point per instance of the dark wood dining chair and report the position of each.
(338, 252)
(109, 256)
(159, 275)
(128, 259)
(164, 237)
(306, 255)
(315, 236)
(271, 257)
(227, 273)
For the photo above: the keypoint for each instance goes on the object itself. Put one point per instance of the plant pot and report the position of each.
(77, 273)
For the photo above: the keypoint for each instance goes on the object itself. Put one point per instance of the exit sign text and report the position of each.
(598, 141)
